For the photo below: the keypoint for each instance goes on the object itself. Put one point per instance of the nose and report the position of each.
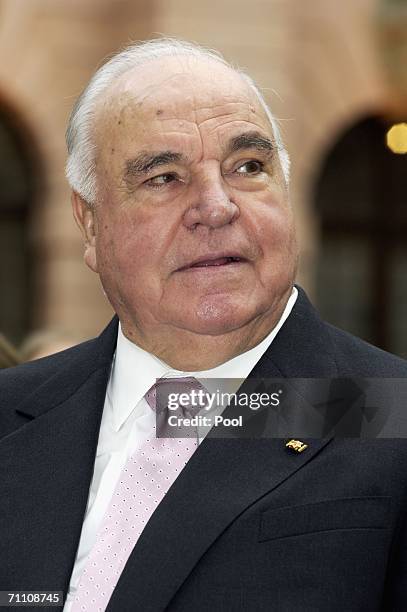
(211, 206)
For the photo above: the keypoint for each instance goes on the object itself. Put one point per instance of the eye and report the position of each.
(161, 180)
(250, 167)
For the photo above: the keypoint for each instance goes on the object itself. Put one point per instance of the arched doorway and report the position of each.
(17, 192)
(361, 201)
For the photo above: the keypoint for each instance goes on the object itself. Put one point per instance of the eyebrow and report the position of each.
(145, 162)
(251, 140)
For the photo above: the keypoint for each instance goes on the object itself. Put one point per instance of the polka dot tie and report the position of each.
(146, 478)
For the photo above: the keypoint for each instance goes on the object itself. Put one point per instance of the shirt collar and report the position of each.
(134, 370)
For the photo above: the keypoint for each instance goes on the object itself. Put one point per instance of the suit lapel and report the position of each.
(223, 478)
(301, 349)
(46, 467)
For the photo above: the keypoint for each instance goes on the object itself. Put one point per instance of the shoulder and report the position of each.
(19, 382)
(309, 347)
(28, 389)
(356, 357)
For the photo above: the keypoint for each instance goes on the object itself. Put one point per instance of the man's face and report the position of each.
(193, 226)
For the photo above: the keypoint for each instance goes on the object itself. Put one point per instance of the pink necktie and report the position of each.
(146, 477)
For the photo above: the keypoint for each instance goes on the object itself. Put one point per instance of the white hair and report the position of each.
(81, 163)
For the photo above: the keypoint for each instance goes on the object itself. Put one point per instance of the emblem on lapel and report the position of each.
(296, 445)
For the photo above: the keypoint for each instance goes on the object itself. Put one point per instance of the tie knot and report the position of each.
(184, 393)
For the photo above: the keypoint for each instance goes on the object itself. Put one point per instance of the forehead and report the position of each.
(178, 94)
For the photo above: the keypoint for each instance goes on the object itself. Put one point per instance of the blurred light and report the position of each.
(396, 138)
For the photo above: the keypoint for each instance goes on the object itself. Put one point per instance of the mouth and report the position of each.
(214, 262)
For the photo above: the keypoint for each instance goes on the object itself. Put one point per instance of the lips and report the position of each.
(213, 261)
(220, 261)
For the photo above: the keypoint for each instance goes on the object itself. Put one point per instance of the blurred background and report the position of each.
(335, 75)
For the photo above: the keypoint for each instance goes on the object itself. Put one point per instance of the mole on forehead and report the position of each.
(167, 110)
(122, 105)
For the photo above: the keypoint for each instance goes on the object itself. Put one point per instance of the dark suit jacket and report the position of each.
(247, 526)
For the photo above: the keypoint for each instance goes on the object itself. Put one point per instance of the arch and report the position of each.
(21, 179)
(359, 199)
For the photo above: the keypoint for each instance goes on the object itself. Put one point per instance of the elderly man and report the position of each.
(180, 189)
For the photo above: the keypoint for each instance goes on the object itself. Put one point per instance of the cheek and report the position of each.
(130, 247)
(273, 227)
(277, 241)
(126, 253)
(277, 232)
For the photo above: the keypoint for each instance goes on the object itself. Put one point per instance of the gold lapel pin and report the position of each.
(296, 445)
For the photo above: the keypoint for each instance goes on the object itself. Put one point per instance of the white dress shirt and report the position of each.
(127, 421)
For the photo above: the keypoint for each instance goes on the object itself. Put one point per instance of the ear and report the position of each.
(85, 218)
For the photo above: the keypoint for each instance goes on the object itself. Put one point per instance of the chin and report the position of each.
(217, 317)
